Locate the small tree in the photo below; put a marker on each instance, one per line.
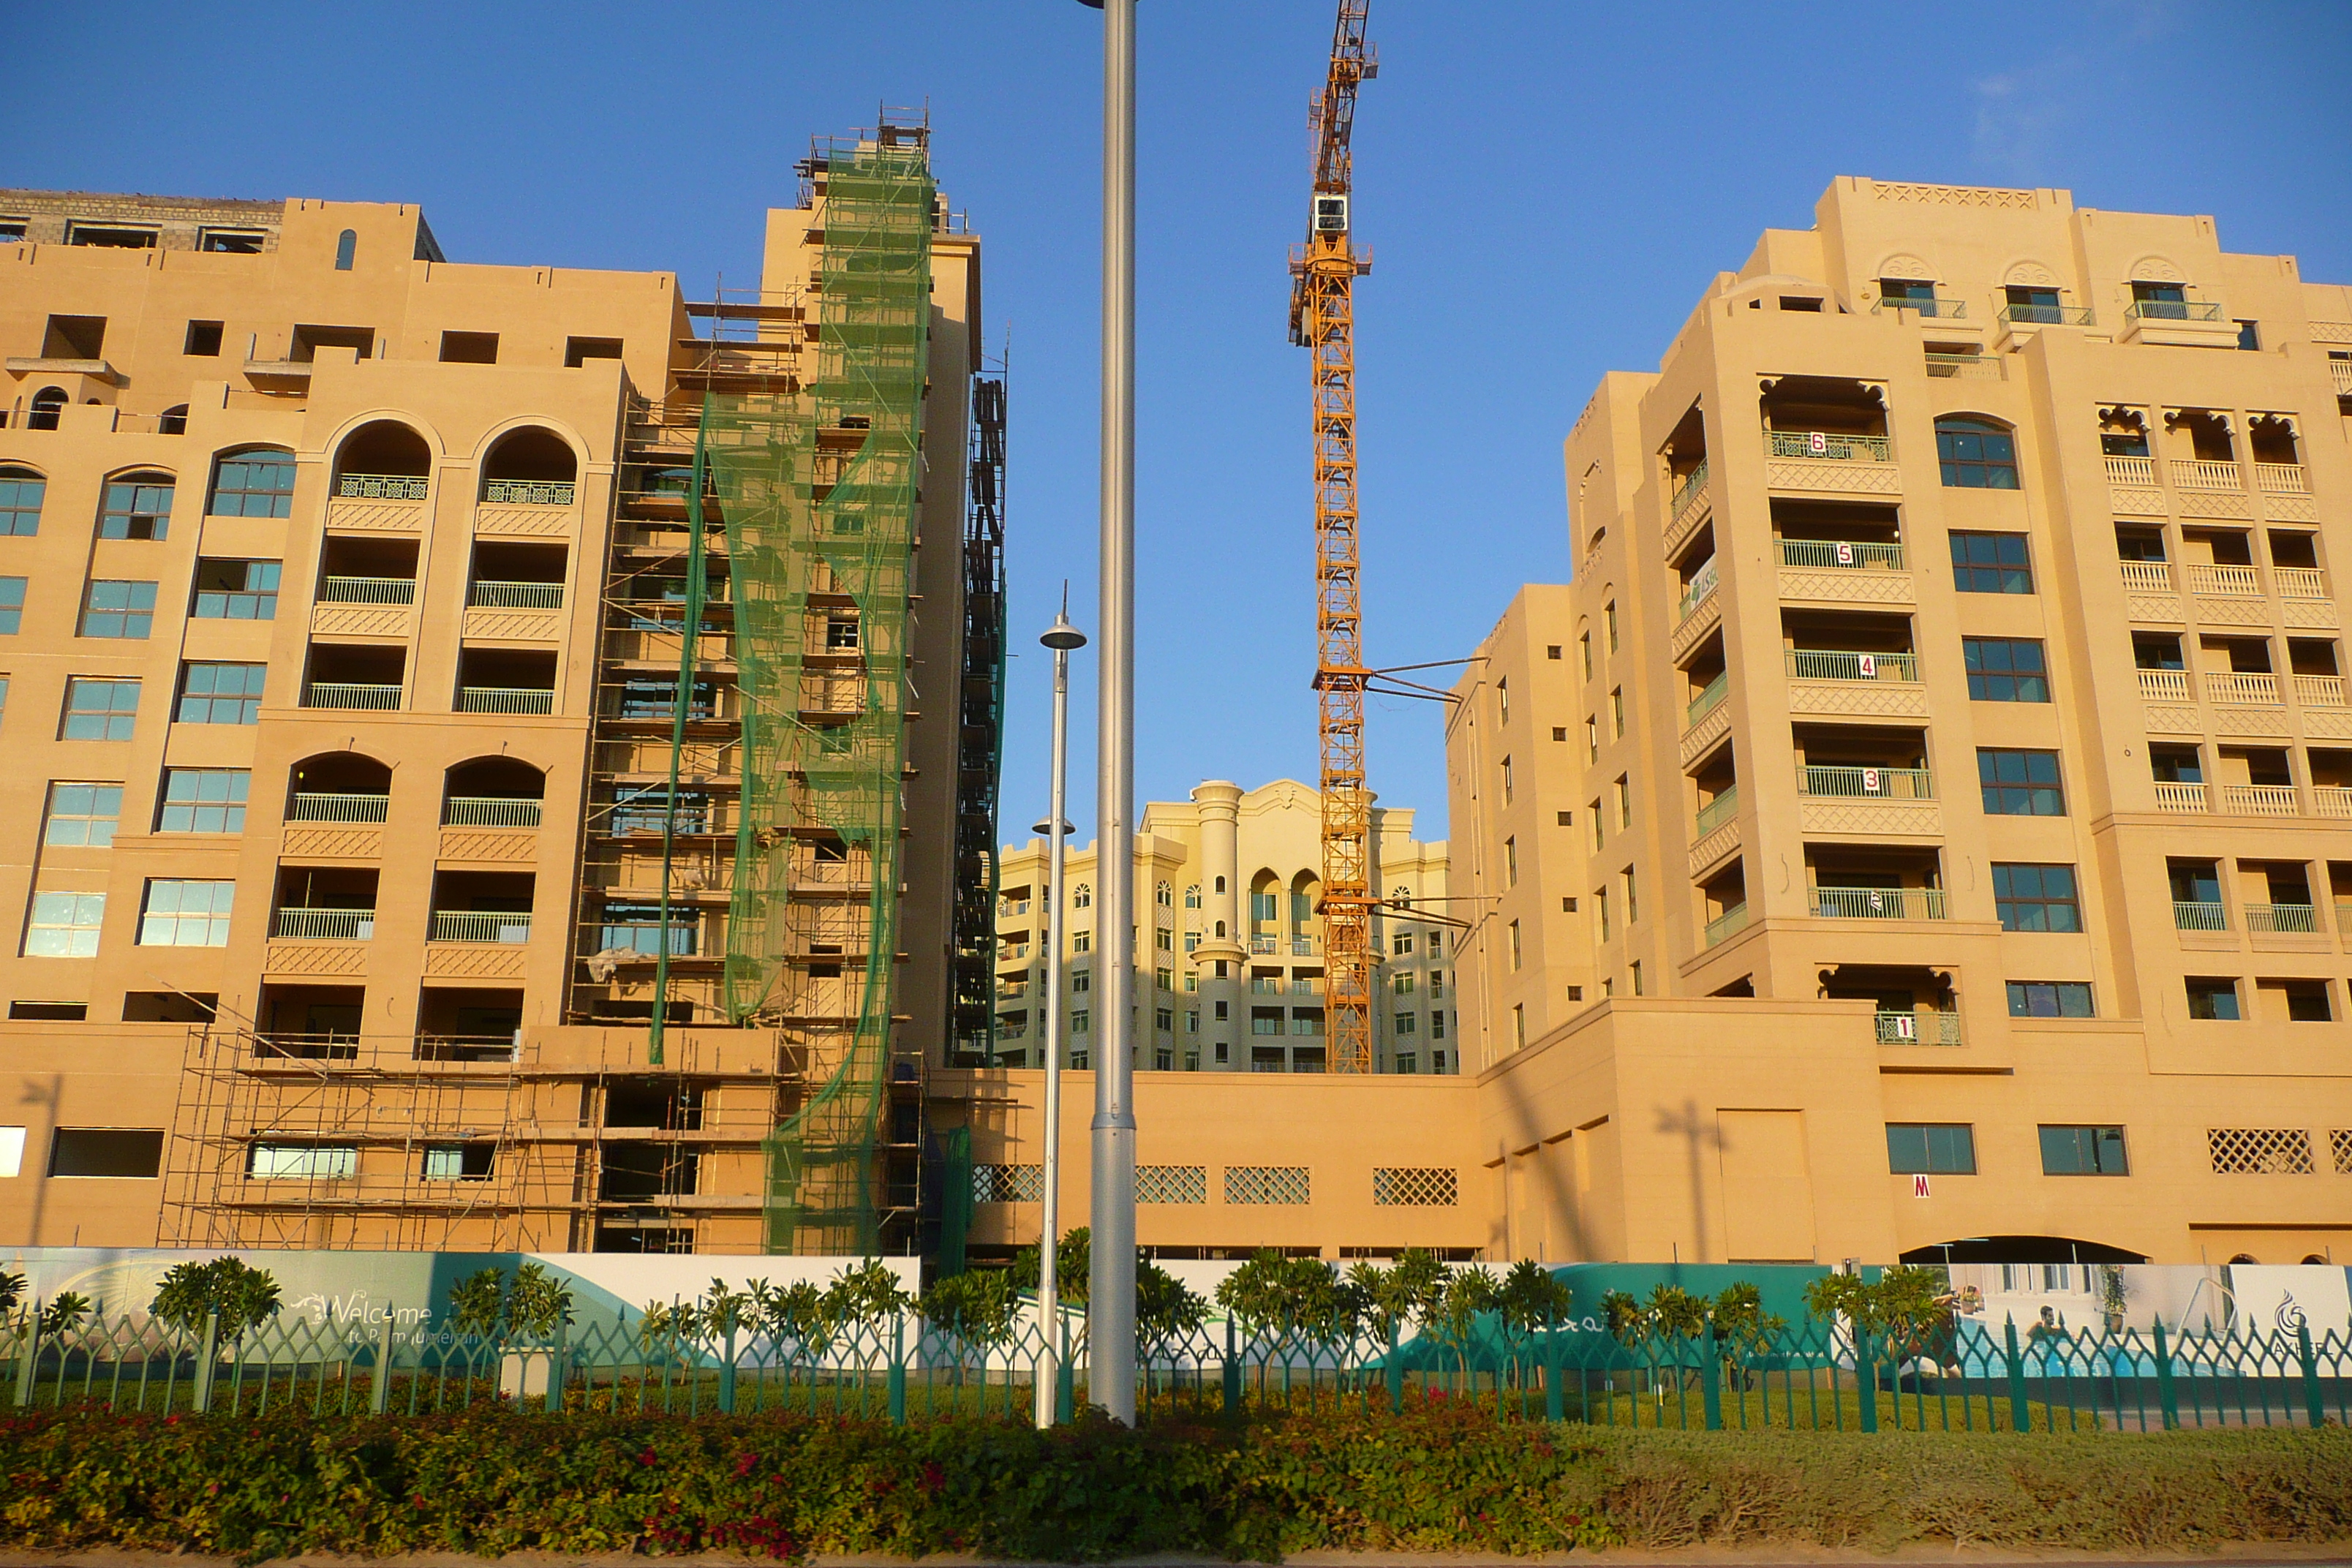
(975, 1305)
(244, 1297)
(485, 1304)
(477, 1302)
(66, 1311)
(12, 1291)
(1907, 1307)
(1533, 1296)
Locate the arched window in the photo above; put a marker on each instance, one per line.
(1221, 884)
(172, 421)
(383, 460)
(1192, 897)
(347, 246)
(1082, 896)
(529, 467)
(494, 792)
(136, 506)
(21, 490)
(1164, 895)
(46, 403)
(1220, 931)
(1976, 454)
(254, 483)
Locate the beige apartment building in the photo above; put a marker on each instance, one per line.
(374, 885)
(1925, 817)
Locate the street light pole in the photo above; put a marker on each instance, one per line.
(1111, 1296)
(1062, 638)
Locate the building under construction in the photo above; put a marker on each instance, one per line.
(536, 789)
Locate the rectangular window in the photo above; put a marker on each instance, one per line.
(2084, 1152)
(20, 502)
(1599, 824)
(12, 604)
(1164, 1019)
(1164, 939)
(204, 800)
(12, 1152)
(1404, 1023)
(204, 340)
(118, 609)
(458, 1161)
(2020, 784)
(83, 815)
(1164, 979)
(1403, 984)
(1510, 862)
(2213, 997)
(1608, 615)
(1503, 701)
(1931, 1148)
(1592, 740)
(302, 1162)
(2050, 999)
(2005, 669)
(1437, 1023)
(1625, 802)
(1990, 563)
(100, 710)
(136, 1154)
(1600, 903)
(183, 913)
(253, 484)
(1975, 456)
(1617, 713)
(1514, 945)
(1506, 781)
(135, 509)
(1401, 943)
(1081, 1022)
(237, 591)
(1519, 1025)
(221, 694)
(1583, 642)
(64, 925)
(2036, 898)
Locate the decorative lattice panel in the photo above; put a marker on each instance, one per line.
(1008, 1184)
(2259, 1150)
(1415, 1187)
(2339, 1144)
(1265, 1183)
(1172, 1184)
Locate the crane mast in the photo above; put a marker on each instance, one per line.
(1322, 320)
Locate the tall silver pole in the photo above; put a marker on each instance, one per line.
(1110, 1293)
(1061, 637)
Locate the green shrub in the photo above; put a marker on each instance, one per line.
(245, 1296)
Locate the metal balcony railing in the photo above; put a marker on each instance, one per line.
(2247, 688)
(381, 486)
(516, 596)
(2285, 917)
(2172, 311)
(349, 694)
(367, 590)
(2280, 479)
(2163, 685)
(2147, 576)
(489, 811)
(2131, 470)
(2180, 796)
(1939, 307)
(1702, 587)
(2200, 915)
(1727, 923)
(470, 925)
(1717, 812)
(313, 806)
(1693, 484)
(1869, 784)
(324, 925)
(1966, 367)
(1920, 1026)
(2203, 474)
(1825, 664)
(1302, 947)
(505, 699)
(2225, 582)
(1827, 446)
(527, 492)
(1878, 903)
(1841, 555)
(2300, 582)
(2260, 800)
(1710, 696)
(2044, 315)
(1263, 945)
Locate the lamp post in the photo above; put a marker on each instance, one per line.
(1062, 638)
(1111, 1292)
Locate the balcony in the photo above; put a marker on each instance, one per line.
(2282, 919)
(505, 699)
(2280, 479)
(1709, 698)
(1689, 504)
(528, 492)
(1841, 555)
(1726, 923)
(2260, 800)
(2164, 686)
(1265, 945)
(1966, 367)
(1920, 1026)
(2300, 582)
(2180, 796)
(2224, 582)
(325, 807)
(2137, 473)
(1705, 718)
(1818, 445)
(2340, 371)
(2200, 474)
(1302, 947)
(2200, 916)
(1701, 588)
(1717, 812)
(2193, 324)
(2172, 311)
(2147, 576)
(479, 926)
(1877, 903)
(381, 486)
(1837, 683)
(2247, 688)
(1822, 460)
(324, 925)
(1825, 664)
(367, 590)
(1868, 784)
(2331, 800)
(514, 596)
(349, 694)
(2020, 313)
(1937, 308)
(488, 811)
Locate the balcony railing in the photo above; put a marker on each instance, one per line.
(1870, 784)
(347, 694)
(1725, 924)
(1717, 812)
(2283, 918)
(489, 811)
(1265, 945)
(2331, 800)
(1823, 664)
(2280, 479)
(1878, 903)
(367, 590)
(2147, 576)
(2260, 800)
(2198, 915)
(1841, 555)
(527, 492)
(470, 925)
(2319, 691)
(2203, 475)
(2163, 685)
(309, 807)
(1709, 698)
(2243, 689)
(325, 925)
(516, 596)
(1826, 447)
(2340, 371)
(2174, 796)
(1302, 947)
(2172, 311)
(1702, 587)
(1922, 1027)
(505, 699)
(2225, 582)
(1939, 307)
(2300, 582)
(2131, 470)
(1693, 484)
(1966, 367)
(381, 486)
(2044, 315)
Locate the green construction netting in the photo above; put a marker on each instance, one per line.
(819, 492)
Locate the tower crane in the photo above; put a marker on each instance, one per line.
(1322, 320)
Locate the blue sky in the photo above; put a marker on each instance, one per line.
(1546, 187)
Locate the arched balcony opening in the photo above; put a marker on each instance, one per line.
(339, 786)
(383, 460)
(493, 791)
(529, 467)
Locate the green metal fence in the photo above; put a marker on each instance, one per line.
(1958, 1375)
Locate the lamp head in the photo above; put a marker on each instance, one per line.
(1042, 827)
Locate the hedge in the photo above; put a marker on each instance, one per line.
(1442, 1477)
